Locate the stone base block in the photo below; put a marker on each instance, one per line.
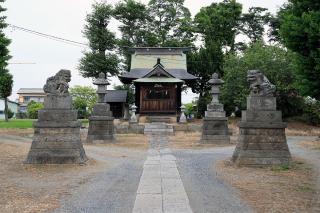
(215, 139)
(215, 131)
(101, 129)
(257, 103)
(259, 146)
(56, 146)
(57, 102)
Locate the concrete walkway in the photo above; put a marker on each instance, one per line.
(161, 189)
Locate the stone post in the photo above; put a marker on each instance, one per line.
(262, 140)
(183, 118)
(215, 123)
(56, 137)
(101, 127)
(133, 118)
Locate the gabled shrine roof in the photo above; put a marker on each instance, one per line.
(141, 72)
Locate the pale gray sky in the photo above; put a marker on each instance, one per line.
(66, 18)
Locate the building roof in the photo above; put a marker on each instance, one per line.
(158, 80)
(139, 73)
(117, 96)
(30, 91)
(159, 49)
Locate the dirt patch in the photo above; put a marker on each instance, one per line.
(296, 128)
(131, 141)
(18, 132)
(310, 144)
(277, 189)
(189, 140)
(37, 188)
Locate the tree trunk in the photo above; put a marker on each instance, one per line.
(6, 109)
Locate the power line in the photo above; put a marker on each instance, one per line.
(52, 37)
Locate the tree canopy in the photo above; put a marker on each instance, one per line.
(6, 79)
(299, 30)
(102, 43)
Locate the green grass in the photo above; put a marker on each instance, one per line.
(16, 124)
(282, 167)
(24, 123)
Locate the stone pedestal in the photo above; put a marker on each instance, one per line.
(262, 140)
(101, 127)
(215, 130)
(56, 137)
(215, 124)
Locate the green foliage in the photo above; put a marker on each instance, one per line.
(33, 108)
(276, 63)
(203, 63)
(130, 89)
(101, 42)
(10, 114)
(84, 98)
(253, 23)
(171, 23)
(134, 17)
(311, 111)
(202, 103)
(219, 23)
(190, 109)
(299, 30)
(6, 79)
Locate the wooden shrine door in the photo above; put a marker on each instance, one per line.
(158, 98)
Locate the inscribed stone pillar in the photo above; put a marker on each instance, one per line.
(215, 123)
(101, 127)
(56, 137)
(262, 140)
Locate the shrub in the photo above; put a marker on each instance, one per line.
(10, 114)
(311, 111)
(33, 108)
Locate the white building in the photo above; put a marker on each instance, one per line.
(13, 106)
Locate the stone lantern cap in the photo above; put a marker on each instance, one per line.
(215, 80)
(101, 80)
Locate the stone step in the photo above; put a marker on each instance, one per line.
(158, 128)
(162, 119)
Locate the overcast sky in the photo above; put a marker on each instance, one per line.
(66, 18)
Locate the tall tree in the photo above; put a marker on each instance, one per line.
(134, 17)
(299, 31)
(203, 63)
(171, 23)
(219, 23)
(102, 43)
(253, 23)
(6, 79)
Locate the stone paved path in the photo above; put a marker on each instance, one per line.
(161, 189)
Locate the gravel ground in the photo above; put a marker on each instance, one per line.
(205, 191)
(112, 187)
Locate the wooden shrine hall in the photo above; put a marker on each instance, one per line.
(158, 74)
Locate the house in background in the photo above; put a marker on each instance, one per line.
(158, 74)
(118, 102)
(116, 98)
(13, 106)
(29, 94)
